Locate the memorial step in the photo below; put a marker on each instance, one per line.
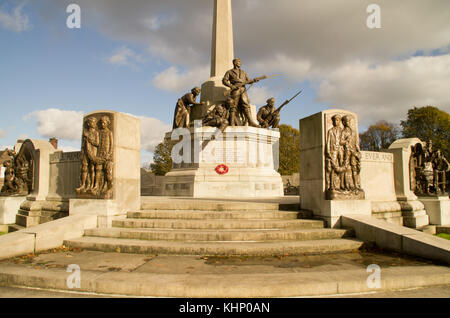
(218, 224)
(269, 248)
(207, 215)
(220, 235)
(212, 205)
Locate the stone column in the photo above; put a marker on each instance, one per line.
(222, 55)
(313, 185)
(114, 140)
(222, 51)
(38, 152)
(417, 212)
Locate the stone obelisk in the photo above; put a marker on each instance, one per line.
(222, 48)
(222, 55)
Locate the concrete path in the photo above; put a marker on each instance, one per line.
(194, 276)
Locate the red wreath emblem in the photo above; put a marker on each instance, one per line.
(222, 169)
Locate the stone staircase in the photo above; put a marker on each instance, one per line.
(201, 227)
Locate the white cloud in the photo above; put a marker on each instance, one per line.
(173, 80)
(297, 69)
(15, 21)
(5, 147)
(152, 132)
(388, 90)
(62, 124)
(68, 125)
(259, 94)
(2, 133)
(125, 57)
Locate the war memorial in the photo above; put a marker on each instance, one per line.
(223, 198)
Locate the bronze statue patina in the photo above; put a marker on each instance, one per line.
(234, 115)
(96, 179)
(236, 79)
(268, 116)
(428, 170)
(89, 146)
(342, 161)
(218, 117)
(182, 110)
(18, 178)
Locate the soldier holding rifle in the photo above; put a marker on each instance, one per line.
(236, 79)
(268, 116)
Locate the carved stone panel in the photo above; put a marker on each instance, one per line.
(97, 157)
(342, 158)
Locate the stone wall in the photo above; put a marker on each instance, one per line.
(151, 184)
(64, 174)
(377, 176)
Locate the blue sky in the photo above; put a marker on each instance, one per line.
(140, 57)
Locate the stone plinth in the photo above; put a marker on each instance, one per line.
(413, 212)
(38, 153)
(401, 149)
(438, 209)
(248, 153)
(124, 137)
(313, 135)
(9, 207)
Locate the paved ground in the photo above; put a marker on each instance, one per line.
(427, 292)
(211, 276)
(174, 264)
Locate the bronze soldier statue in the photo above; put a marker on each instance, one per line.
(236, 79)
(218, 117)
(182, 111)
(268, 116)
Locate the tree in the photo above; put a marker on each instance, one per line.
(429, 123)
(379, 136)
(162, 158)
(289, 150)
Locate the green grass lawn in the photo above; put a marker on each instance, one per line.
(444, 235)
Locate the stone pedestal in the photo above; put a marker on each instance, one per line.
(413, 212)
(438, 209)
(247, 152)
(124, 193)
(313, 135)
(9, 207)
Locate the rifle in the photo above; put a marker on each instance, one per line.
(226, 93)
(277, 111)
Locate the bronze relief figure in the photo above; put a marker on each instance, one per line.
(342, 161)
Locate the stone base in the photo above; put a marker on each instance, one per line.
(29, 213)
(389, 211)
(438, 209)
(415, 219)
(332, 210)
(106, 210)
(238, 182)
(344, 195)
(413, 213)
(248, 152)
(9, 206)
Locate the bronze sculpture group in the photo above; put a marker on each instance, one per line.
(428, 169)
(96, 159)
(342, 161)
(236, 110)
(18, 177)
